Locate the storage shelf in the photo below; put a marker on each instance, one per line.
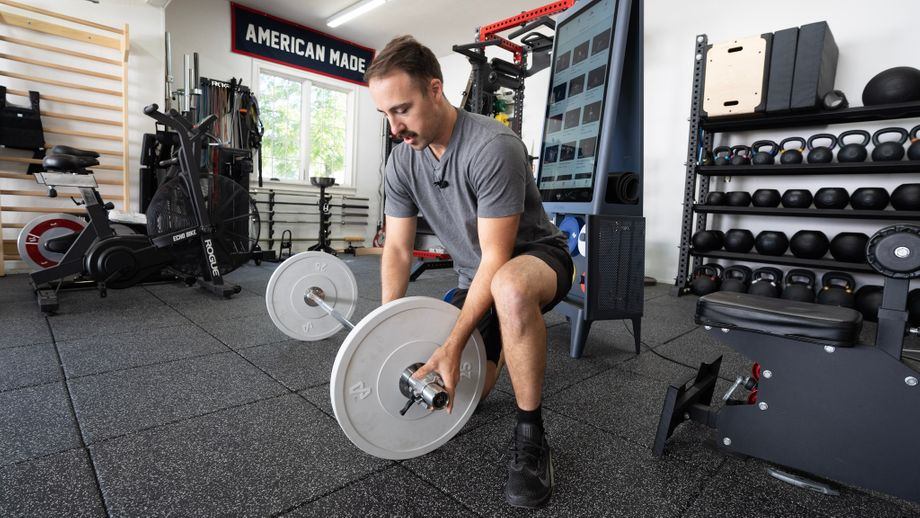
(902, 166)
(788, 260)
(894, 215)
(760, 121)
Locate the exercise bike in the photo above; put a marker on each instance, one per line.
(199, 226)
(818, 402)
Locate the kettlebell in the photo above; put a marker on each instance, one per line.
(722, 155)
(831, 198)
(764, 157)
(771, 242)
(791, 155)
(849, 247)
(800, 285)
(854, 151)
(706, 279)
(766, 282)
(868, 300)
(736, 278)
(739, 240)
(706, 157)
(837, 290)
(869, 198)
(738, 198)
(741, 155)
(906, 197)
(821, 154)
(715, 198)
(707, 240)
(809, 244)
(765, 198)
(891, 150)
(913, 150)
(797, 199)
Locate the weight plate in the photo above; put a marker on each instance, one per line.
(364, 387)
(284, 296)
(571, 226)
(38, 231)
(583, 241)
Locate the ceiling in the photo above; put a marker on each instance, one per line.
(438, 24)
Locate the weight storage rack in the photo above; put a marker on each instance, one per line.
(696, 187)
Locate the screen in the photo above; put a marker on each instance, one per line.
(575, 104)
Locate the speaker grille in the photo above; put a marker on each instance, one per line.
(616, 253)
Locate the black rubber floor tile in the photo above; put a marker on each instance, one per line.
(296, 364)
(179, 292)
(658, 290)
(665, 318)
(219, 310)
(28, 365)
(120, 402)
(686, 353)
(124, 350)
(244, 332)
(80, 302)
(596, 474)
(22, 324)
(131, 320)
(393, 492)
(57, 485)
(16, 289)
(254, 460)
(35, 421)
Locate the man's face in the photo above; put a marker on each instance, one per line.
(413, 114)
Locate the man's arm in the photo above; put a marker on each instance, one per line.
(397, 257)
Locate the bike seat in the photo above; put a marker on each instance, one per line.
(68, 163)
(803, 321)
(72, 151)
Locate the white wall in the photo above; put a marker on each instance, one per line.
(203, 26)
(145, 84)
(870, 38)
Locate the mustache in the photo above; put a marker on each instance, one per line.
(406, 134)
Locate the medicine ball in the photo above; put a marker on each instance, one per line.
(869, 198)
(906, 197)
(895, 85)
(766, 198)
(849, 247)
(715, 198)
(868, 300)
(809, 244)
(831, 198)
(739, 240)
(797, 199)
(708, 240)
(738, 198)
(771, 242)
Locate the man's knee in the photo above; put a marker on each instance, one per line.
(512, 293)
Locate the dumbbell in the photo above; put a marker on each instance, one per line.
(381, 408)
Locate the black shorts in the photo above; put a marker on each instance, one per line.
(557, 258)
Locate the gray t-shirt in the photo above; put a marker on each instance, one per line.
(488, 175)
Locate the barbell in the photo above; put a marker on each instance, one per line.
(381, 408)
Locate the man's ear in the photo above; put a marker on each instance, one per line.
(435, 88)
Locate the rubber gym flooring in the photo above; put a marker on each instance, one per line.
(161, 400)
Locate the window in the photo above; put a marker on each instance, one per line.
(308, 128)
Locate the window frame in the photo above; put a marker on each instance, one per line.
(307, 80)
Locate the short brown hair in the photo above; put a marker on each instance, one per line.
(408, 55)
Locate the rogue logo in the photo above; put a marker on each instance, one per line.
(212, 259)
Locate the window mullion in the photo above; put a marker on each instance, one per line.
(305, 130)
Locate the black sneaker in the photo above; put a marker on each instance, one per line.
(530, 469)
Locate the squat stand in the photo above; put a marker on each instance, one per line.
(325, 214)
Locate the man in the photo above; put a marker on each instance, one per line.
(469, 177)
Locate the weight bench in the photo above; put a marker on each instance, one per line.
(820, 402)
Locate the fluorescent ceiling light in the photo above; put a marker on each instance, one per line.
(353, 11)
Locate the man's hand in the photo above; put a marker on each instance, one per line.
(445, 361)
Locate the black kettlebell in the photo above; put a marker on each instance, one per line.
(809, 244)
(869, 198)
(771, 242)
(913, 307)
(736, 278)
(913, 150)
(849, 247)
(715, 198)
(707, 240)
(764, 157)
(854, 151)
(739, 240)
(791, 155)
(766, 282)
(889, 151)
(821, 154)
(837, 290)
(706, 279)
(797, 199)
(800, 285)
(766, 198)
(906, 197)
(738, 198)
(868, 300)
(831, 198)
(741, 155)
(722, 155)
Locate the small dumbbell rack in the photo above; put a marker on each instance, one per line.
(701, 132)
